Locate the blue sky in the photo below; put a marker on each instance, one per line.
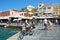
(18, 4)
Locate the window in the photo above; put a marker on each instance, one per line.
(35, 14)
(59, 12)
(59, 7)
(49, 7)
(44, 8)
(39, 5)
(56, 12)
(12, 13)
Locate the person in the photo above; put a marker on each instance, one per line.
(45, 24)
(56, 22)
(49, 24)
(26, 21)
(28, 26)
(41, 22)
(23, 29)
(33, 22)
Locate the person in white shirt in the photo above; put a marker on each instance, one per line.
(45, 24)
(45, 21)
(26, 21)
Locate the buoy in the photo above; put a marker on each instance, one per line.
(5, 26)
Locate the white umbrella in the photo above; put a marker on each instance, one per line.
(19, 18)
(15, 19)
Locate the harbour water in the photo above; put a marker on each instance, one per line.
(7, 32)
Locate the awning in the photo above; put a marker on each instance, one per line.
(17, 19)
(4, 17)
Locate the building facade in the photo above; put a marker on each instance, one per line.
(48, 9)
(5, 13)
(56, 10)
(45, 9)
(28, 11)
(40, 9)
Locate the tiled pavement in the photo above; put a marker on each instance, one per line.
(39, 34)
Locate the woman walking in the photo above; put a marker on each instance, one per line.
(45, 24)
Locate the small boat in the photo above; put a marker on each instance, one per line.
(5, 26)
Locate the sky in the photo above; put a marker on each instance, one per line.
(19, 4)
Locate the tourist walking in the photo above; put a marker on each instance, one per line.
(49, 24)
(33, 22)
(45, 24)
(41, 22)
(22, 31)
(56, 23)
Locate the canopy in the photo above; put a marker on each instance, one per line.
(4, 17)
(17, 19)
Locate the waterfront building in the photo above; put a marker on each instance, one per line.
(40, 8)
(45, 9)
(48, 9)
(51, 11)
(10, 18)
(10, 13)
(56, 10)
(28, 11)
(5, 13)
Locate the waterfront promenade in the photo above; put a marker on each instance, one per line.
(40, 34)
(14, 37)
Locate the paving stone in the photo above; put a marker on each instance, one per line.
(39, 34)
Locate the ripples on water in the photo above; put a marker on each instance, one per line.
(7, 32)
